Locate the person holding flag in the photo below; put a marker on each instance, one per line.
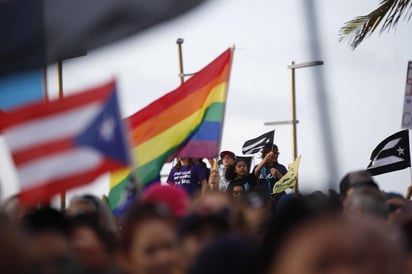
(269, 170)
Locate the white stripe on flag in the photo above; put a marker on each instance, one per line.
(261, 142)
(57, 126)
(52, 167)
(386, 161)
(391, 144)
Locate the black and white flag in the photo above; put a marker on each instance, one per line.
(391, 154)
(254, 145)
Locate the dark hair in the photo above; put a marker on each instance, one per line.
(226, 254)
(268, 148)
(194, 223)
(232, 185)
(98, 206)
(140, 212)
(297, 210)
(91, 220)
(44, 220)
(178, 165)
(230, 174)
(356, 178)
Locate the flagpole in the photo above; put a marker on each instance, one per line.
(60, 78)
(410, 172)
(60, 92)
(44, 84)
(179, 43)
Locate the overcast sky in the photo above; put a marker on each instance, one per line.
(363, 89)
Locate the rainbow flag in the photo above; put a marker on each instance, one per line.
(186, 122)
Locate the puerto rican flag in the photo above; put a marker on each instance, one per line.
(66, 143)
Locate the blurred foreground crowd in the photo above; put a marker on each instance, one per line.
(360, 230)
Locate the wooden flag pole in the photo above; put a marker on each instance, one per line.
(60, 92)
(60, 78)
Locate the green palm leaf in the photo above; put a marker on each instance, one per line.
(387, 15)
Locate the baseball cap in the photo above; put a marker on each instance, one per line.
(175, 198)
(227, 152)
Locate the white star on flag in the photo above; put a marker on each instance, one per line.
(400, 151)
(107, 129)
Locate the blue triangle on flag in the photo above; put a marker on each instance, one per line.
(105, 133)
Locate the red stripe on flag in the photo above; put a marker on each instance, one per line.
(41, 109)
(204, 77)
(38, 151)
(43, 192)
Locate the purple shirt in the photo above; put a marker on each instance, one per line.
(187, 178)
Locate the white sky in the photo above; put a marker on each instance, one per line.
(365, 87)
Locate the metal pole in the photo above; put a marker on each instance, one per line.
(60, 91)
(179, 43)
(293, 97)
(294, 124)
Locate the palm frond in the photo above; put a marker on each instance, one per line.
(389, 12)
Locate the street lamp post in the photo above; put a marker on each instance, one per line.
(294, 121)
(292, 68)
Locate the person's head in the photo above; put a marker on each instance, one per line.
(91, 204)
(46, 239)
(236, 190)
(332, 244)
(93, 245)
(186, 161)
(238, 170)
(256, 213)
(225, 255)
(13, 248)
(365, 201)
(304, 226)
(228, 158)
(241, 168)
(271, 148)
(396, 203)
(149, 239)
(218, 201)
(196, 231)
(355, 178)
(379, 247)
(180, 162)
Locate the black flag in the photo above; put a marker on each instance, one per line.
(254, 145)
(391, 154)
(34, 33)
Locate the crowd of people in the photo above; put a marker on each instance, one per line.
(222, 219)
